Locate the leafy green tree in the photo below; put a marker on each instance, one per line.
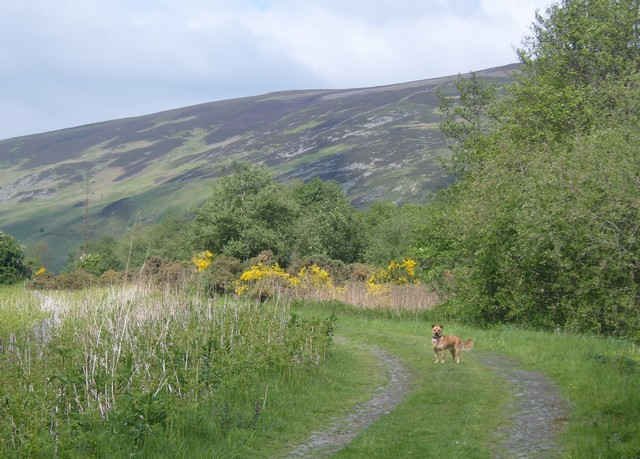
(169, 239)
(580, 55)
(328, 224)
(466, 122)
(99, 257)
(12, 264)
(543, 227)
(248, 212)
(392, 231)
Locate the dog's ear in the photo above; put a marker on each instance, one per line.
(433, 325)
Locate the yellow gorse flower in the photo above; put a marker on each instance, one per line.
(410, 266)
(41, 271)
(398, 273)
(202, 260)
(261, 272)
(315, 276)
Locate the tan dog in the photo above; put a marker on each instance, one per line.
(454, 344)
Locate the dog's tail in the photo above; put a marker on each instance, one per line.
(467, 345)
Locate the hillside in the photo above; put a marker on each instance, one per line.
(378, 143)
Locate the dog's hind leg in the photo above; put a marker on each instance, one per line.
(456, 353)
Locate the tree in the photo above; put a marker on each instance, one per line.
(392, 231)
(580, 55)
(328, 224)
(466, 122)
(247, 212)
(12, 264)
(100, 256)
(544, 226)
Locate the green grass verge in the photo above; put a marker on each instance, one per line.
(599, 376)
(295, 407)
(451, 408)
(456, 409)
(257, 409)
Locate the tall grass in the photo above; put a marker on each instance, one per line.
(102, 371)
(408, 298)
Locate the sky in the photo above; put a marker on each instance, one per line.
(67, 62)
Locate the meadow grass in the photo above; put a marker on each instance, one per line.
(142, 372)
(455, 410)
(294, 408)
(135, 371)
(18, 312)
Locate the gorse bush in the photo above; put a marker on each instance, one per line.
(116, 367)
(265, 281)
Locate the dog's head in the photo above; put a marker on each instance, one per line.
(436, 331)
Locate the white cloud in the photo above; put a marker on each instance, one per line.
(196, 50)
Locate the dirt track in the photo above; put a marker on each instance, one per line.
(537, 412)
(343, 430)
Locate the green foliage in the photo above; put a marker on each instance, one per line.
(221, 276)
(392, 231)
(580, 54)
(98, 383)
(249, 212)
(466, 121)
(98, 257)
(328, 225)
(12, 264)
(169, 239)
(543, 229)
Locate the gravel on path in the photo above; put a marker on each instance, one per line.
(536, 414)
(342, 431)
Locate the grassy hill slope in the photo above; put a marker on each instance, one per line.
(378, 143)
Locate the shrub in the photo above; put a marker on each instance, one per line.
(264, 281)
(160, 271)
(337, 269)
(111, 277)
(221, 276)
(73, 280)
(360, 272)
(12, 264)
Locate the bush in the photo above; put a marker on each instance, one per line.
(221, 275)
(161, 271)
(12, 264)
(111, 277)
(542, 228)
(99, 257)
(73, 280)
(338, 270)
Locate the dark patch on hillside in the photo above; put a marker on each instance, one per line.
(137, 160)
(122, 208)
